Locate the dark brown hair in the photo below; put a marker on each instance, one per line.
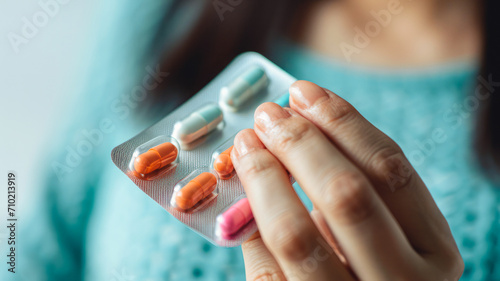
(250, 25)
(487, 140)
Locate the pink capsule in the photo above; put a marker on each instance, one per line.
(234, 218)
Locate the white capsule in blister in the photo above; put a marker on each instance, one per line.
(244, 87)
(198, 124)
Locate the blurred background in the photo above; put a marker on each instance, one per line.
(41, 79)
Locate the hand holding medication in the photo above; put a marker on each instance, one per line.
(374, 218)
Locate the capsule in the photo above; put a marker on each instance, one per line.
(234, 218)
(223, 164)
(155, 158)
(198, 124)
(197, 189)
(284, 100)
(244, 87)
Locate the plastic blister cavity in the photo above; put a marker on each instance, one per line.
(195, 191)
(245, 86)
(235, 220)
(154, 157)
(221, 160)
(202, 129)
(198, 124)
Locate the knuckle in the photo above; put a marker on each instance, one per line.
(290, 238)
(252, 244)
(454, 266)
(270, 276)
(459, 268)
(258, 164)
(292, 134)
(337, 111)
(348, 199)
(390, 167)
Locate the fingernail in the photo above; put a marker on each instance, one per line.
(304, 94)
(268, 113)
(246, 141)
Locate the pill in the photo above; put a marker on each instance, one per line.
(234, 218)
(284, 100)
(198, 124)
(155, 158)
(223, 164)
(244, 87)
(197, 189)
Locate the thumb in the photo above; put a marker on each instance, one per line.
(259, 262)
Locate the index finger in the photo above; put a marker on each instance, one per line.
(284, 223)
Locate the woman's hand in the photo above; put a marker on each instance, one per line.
(374, 218)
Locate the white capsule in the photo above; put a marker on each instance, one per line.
(244, 87)
(198, 124)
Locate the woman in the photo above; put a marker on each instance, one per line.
(410, 68)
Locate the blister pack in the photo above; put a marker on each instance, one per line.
(182, 162)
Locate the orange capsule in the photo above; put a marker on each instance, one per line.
(197, 189)
(223, 164)
(155, 158)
